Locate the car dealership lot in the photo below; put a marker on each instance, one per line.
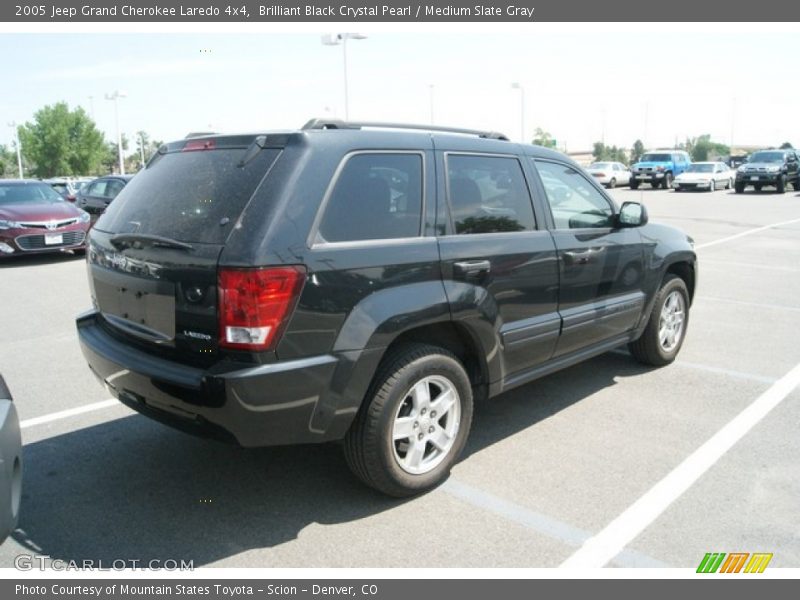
(547, 466)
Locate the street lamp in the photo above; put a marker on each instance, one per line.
(141, 148)
(518, 86)
(115, 96)
(13, 125)
(341, 39)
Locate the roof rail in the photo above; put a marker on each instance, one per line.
(338, 124)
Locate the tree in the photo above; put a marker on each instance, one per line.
(702, 147)
(637, 151)
(786, 146)
(543, 138)
(150, 146)
(8, 162)
(602, 152)
(62, 142)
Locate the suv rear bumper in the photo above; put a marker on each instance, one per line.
(252, 405)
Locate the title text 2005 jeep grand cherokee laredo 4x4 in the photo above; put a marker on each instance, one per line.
(351, 282)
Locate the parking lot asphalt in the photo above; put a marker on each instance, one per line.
(549, 467)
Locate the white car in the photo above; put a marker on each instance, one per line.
(707, 176)
(610, 174)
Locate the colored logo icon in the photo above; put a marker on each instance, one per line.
(735, 562)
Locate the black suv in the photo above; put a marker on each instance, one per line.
(769, 168)
(352, 282)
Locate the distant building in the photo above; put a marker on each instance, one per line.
(583, 157)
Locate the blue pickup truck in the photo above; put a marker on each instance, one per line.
(659, 168)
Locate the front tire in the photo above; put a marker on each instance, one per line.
(663, 337)
(634, 184)
(414, 422)
(780, 186)
(666, 183)
(739, 188)
(712, 186)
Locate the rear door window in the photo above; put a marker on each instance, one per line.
(376, 196)
(488, 194)
(189, 196)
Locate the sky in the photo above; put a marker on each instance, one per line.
(582, 86)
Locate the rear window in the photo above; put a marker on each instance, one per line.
(188, 196)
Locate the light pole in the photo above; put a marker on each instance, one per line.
(518, 86)
(115, 96)
(13, 125)
(341, 39)
(141, 147)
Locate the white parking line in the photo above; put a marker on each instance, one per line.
(714, 262)
(744, 233)
(753, 304)
(603, 547)
(64, 414)
(538, 522)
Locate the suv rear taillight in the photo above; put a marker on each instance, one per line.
(254, 305)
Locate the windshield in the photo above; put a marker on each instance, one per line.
(22, 193)
(696, 168)
(600, 166)
(766, 157)
(656, 158)
(188, 196)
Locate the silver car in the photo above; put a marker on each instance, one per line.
(10, 463)
(610, 174)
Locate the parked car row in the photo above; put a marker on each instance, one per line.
(674, 169)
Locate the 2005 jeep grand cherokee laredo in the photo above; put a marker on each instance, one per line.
(350, 282)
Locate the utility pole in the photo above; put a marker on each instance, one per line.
(13, 125)
(115, 96)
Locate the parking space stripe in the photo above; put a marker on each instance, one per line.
(603, 547)
(712, 262)
(64, 414)
(744, 233)
(710, 369)
(753, 304)
(538, 522)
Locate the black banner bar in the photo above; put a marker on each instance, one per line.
(398, 11)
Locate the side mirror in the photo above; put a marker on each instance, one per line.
(632, 214)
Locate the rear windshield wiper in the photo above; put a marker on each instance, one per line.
(122, 240)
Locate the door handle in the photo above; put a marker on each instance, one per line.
(581, 257)
(473, 267)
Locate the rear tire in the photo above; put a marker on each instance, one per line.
(663, 336)
(415, 382)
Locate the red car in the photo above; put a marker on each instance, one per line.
(35, 218)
